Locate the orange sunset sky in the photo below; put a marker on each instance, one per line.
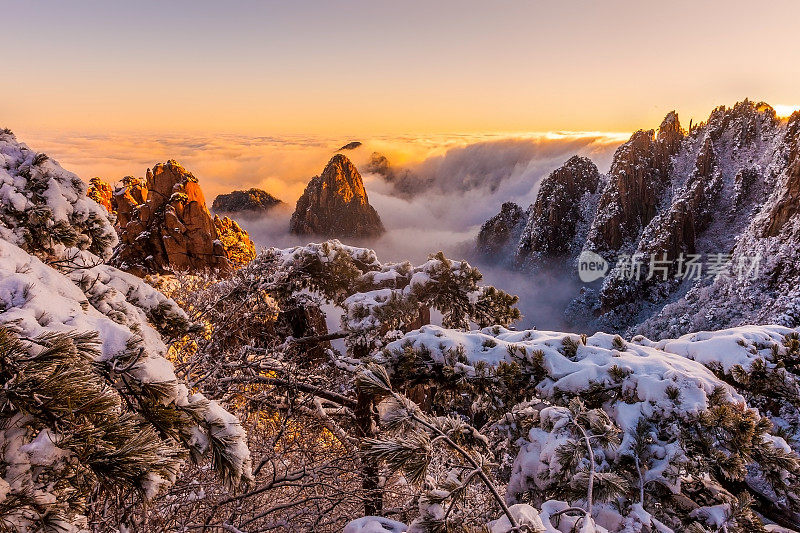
(129, 73)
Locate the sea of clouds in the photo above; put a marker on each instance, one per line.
(451, 184)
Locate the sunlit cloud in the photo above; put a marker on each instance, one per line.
(283, 165)
(785, 110)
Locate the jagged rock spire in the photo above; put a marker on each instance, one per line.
(335, 204)
(559, 210)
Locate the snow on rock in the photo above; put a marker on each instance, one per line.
(374, 524)
(727, 187)
(524, 514)
(498, 236)
(379, 297)
(727, 347)
(557, 223)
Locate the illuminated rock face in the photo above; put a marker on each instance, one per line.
(101, 192)
(239, 249)
(335, 204)
(164, 226)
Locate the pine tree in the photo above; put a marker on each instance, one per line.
(67, 434)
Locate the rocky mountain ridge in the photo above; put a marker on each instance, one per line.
(164, 225)
(726, 191)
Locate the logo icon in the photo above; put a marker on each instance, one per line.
(591, 266)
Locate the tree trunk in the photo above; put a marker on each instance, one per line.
(370, 473)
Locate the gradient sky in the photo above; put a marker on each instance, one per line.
(361, 68)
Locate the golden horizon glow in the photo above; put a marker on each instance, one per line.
(281, 165)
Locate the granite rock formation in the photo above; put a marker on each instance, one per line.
(352, 145)
(239, 249)
(101, 192)
(558, 221)
(252, 202)
(498, 237)
(727, 191)
(335, 204)
(636, 182)
(165, 226)
(788, 206)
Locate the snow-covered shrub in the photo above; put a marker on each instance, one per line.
(44, 208)
(411, 449)
(66, 429)
(668, 441)
(763, 364)
(377, 297)
(263, 350)
(374, 524)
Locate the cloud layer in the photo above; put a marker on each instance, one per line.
(452, 184)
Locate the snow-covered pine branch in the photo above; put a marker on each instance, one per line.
(37, 302)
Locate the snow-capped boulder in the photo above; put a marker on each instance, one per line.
(638, 177)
